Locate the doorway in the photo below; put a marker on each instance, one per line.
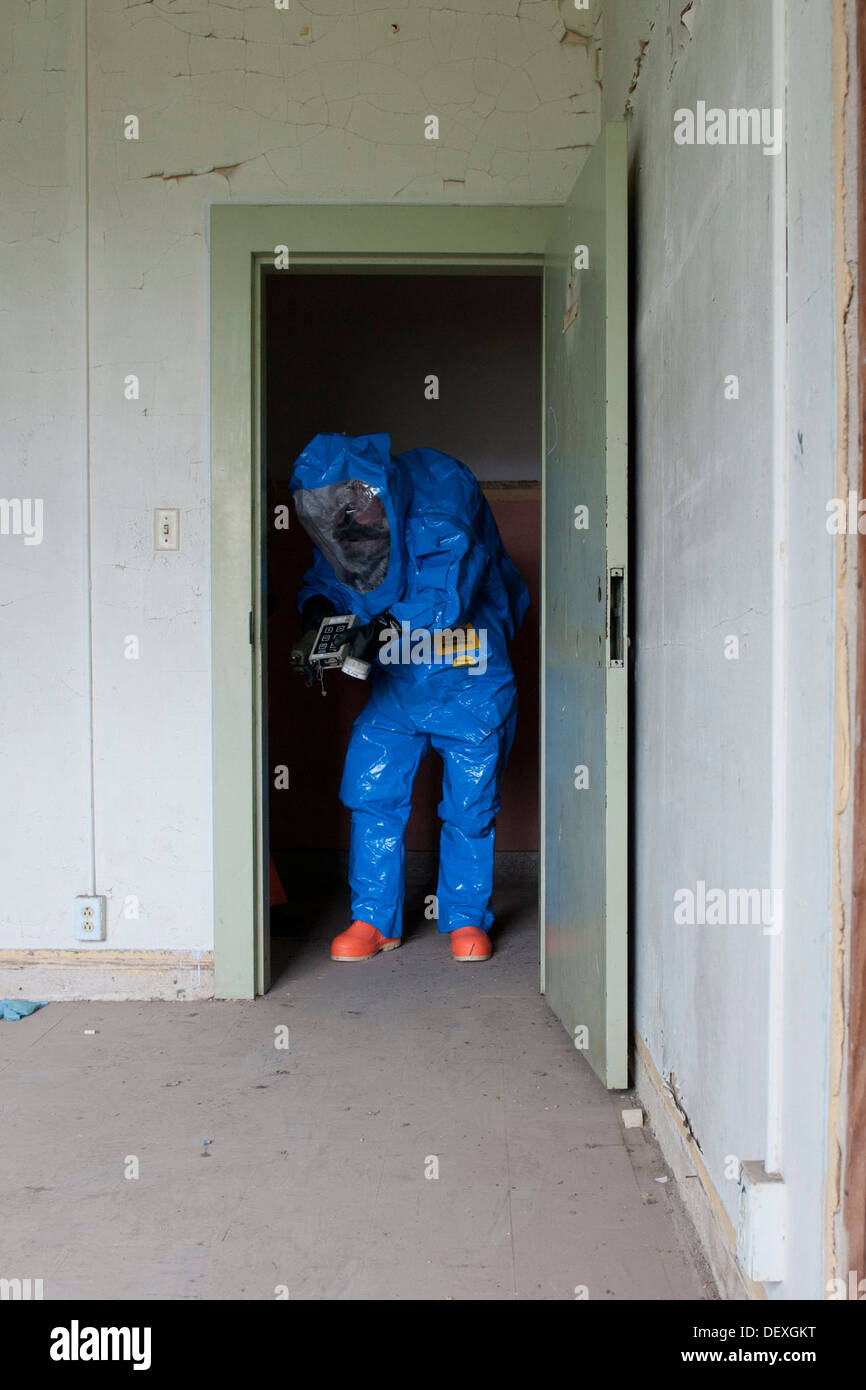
(449, 360)
(580, 248)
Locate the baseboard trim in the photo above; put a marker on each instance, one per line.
(700, 1198)
(110, 975)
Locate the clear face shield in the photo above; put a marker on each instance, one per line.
(348, 523)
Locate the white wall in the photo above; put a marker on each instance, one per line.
(336, 114)
(323, 102)
(717, 740)
(45, 849)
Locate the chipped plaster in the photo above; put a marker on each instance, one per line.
(237, 101)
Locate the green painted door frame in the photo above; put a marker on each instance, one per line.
(245, 241)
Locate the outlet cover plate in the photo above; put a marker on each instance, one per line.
(90, 919)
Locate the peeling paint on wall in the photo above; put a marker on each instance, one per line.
(241, 102)
(712, 476)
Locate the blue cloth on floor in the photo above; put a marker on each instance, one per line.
(14, 1009)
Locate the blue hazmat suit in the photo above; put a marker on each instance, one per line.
(411, 536)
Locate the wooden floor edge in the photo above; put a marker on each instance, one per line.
(108, 960)
(113, 976)
(718, 1236)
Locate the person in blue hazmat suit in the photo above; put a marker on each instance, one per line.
(408, 543)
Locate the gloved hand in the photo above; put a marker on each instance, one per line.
(314, 610)
(364, 640)
(301, 651)
(367, 639)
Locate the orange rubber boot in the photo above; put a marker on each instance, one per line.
(470, 943)
(361, 942)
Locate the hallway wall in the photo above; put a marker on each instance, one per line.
(479, 334)
(732, 757)
(235, 102)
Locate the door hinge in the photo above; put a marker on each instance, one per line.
(252, 640)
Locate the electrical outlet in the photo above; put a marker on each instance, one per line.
(166, 528)
(89, 919)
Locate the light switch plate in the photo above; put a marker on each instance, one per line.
(166, 528)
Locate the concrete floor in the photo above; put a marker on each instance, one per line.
(314, 1178)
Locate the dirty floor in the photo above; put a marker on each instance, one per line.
(429, 1132)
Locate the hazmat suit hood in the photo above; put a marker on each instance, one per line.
(352, 498)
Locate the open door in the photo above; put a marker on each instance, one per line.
(585, 623)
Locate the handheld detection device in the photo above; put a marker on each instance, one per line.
(332, 648)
